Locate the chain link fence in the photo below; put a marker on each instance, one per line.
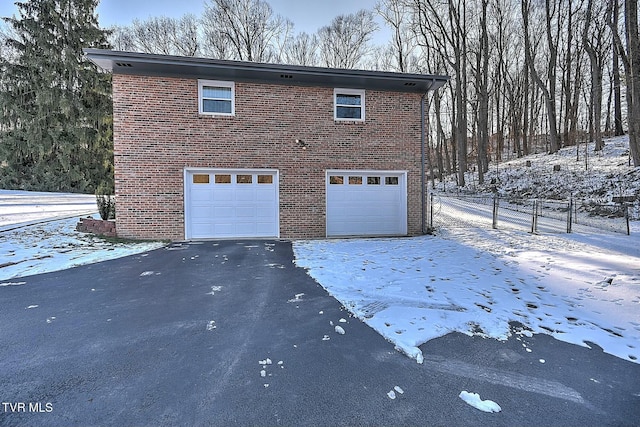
(532, 215)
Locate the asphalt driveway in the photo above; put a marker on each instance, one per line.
(232, 333)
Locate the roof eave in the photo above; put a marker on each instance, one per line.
(177, 66)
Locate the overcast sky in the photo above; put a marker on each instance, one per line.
(307, 15)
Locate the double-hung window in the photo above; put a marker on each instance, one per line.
(348, 104)
(216, 98)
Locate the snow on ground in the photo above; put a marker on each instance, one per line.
(25, 207)
(34, 240)
(580, 289)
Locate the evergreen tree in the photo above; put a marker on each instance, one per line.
(56, 125)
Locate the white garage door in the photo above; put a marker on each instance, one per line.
(231, 203)
(366, 203)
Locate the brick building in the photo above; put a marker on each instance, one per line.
(212, 149)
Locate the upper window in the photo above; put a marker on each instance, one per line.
(216, 97)
(348, 104)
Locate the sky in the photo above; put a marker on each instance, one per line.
(307, 15)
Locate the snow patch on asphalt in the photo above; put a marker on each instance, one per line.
(474, 400)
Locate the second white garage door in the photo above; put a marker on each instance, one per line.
(231, 203)
(366, 203)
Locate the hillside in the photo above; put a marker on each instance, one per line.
(602, 177)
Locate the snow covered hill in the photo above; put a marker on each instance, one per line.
(597, 179)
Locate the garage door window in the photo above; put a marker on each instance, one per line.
(265, 179)
(200, 178)
(223, 179)
(244, 179)
(355, 180)
(391, 180)
(373, 180)
(336, 179)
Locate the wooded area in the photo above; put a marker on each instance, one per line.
(527, 76)
(56, 126)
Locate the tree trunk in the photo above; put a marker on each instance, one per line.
(595, 102)
(482, 85)
(569, 137)
(633, 79)
(525, 115)
(613, 10)
(548, 92)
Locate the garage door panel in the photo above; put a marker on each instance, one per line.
(265, 195)
(224, 195)
(198, 212)
(223, 230)
(264, 228)
(202, 228)
(366, 206)
(202, 195)
(265, 212)
(222, 213)
(245, 229)
(242, 203)
(245, 195)
(245, 212)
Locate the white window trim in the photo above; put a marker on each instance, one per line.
(216, 83)
(360, 92)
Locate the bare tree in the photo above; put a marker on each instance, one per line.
(482, 93)
(396, 15)
(631, 61)
(442, 25)
(185, 37)
(153, 35)
(612, 19)
(633, 78)
(301, 50)
(281, 40)
(121, 38)
(345, 42)
(161, 35)
(594, 39)
(241, 29)
(549, 92)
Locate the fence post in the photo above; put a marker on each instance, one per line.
(626, 217)
(534, 217)
(494, 223)
(570, 214)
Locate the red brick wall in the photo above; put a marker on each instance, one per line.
(97, 226)
(158, 132)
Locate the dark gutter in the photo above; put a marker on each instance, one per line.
(422, 164)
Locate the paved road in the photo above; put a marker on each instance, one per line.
(176, 337)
